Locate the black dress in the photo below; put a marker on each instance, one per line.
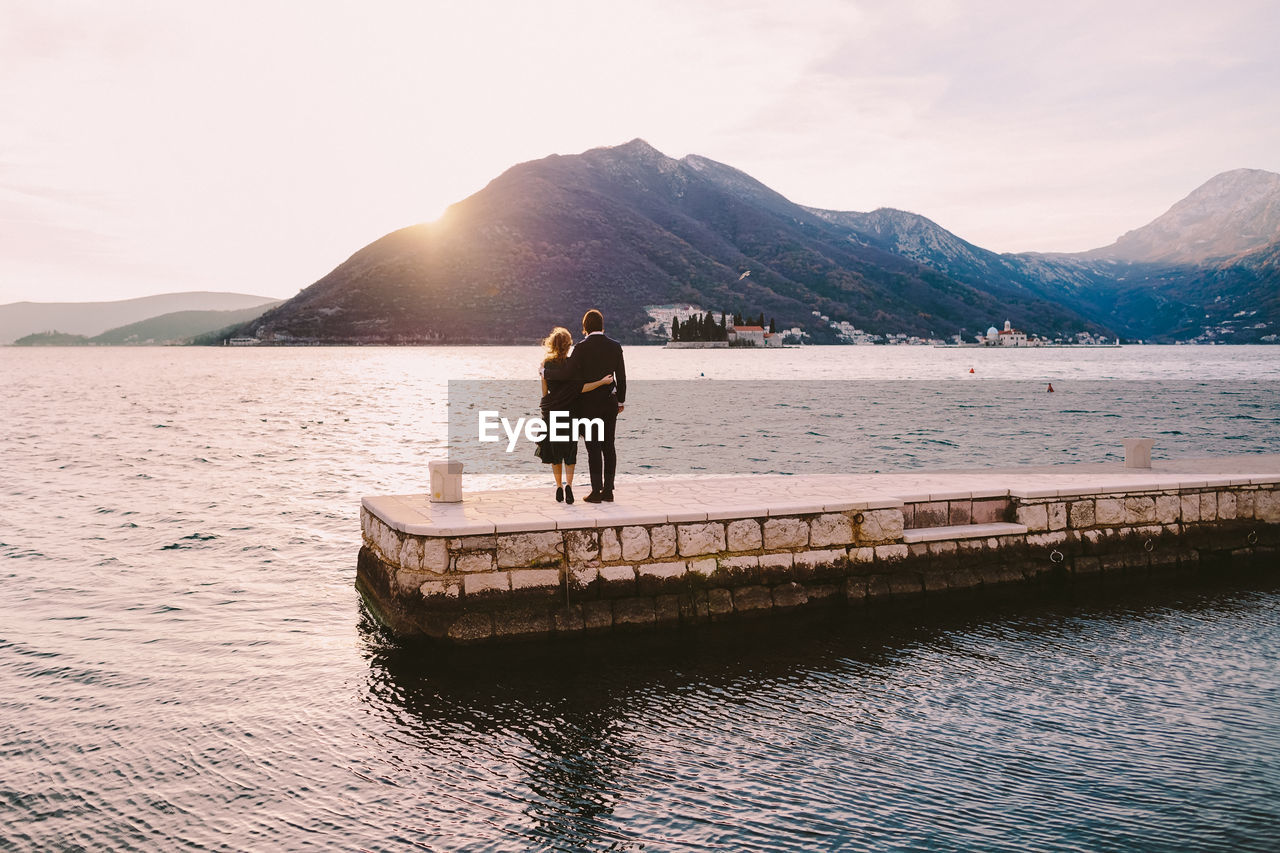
(562, 390)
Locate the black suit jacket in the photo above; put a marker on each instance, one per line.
(596, 357)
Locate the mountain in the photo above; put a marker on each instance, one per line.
(1207, 270)
(625, 227)
(925, 242)
(1231, 301)
(1230, 214)
(92, 318)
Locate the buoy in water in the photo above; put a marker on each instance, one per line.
(971, 370)
(1050, 387)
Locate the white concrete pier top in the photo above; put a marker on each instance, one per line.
(642, 502)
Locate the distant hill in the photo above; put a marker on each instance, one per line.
(625, 227)
(93, 318)
(51, 339)
(179, 326)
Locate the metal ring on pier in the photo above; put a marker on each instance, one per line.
(1056, 556)
(1149, 545)
(1252, 538)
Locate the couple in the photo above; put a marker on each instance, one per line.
(590, 382)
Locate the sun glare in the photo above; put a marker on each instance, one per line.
(438, 218)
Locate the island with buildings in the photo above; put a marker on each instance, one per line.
(691, 327)
(688, 326)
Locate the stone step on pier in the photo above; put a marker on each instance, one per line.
(962, 531)
(516, 564)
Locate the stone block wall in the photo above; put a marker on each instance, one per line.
(477, 588)
(1145, 530)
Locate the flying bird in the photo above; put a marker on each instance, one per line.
(744, 275)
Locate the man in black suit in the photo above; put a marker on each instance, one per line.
(595, 358)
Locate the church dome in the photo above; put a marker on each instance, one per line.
(992, 332)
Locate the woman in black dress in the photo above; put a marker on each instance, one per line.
(558, 393)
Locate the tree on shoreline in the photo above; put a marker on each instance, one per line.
(701, 328)
(704, 328)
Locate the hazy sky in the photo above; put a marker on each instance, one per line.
(253, 146)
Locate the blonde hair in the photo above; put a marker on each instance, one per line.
(558, 343)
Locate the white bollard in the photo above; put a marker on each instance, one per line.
(1137, 452)
(446, 482)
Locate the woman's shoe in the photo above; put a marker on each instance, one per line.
(560, 495)
(568, 494)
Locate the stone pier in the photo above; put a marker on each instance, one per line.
(515, 564)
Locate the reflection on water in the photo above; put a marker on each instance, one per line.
(1088, 724)
(184, 664)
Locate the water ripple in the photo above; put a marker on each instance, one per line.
(184, 663)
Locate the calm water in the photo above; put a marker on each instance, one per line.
(184, 662)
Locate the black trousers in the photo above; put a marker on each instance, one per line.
(602, 459)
